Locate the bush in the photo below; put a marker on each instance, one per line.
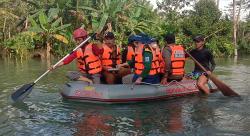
(20, 44)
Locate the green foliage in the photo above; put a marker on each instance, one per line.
(243, 37)
(20, 44)
(49, 27)
(205, 20)
(101, 13)
(53, 21)
(220, 47)
(61, 49)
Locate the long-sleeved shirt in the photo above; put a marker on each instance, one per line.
(205, 58)
(166, 54)
(147, 61)
(96, 50)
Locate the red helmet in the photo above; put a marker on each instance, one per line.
(80, 33)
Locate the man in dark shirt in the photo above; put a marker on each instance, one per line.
(206, 59)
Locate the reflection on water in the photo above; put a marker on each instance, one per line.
(45, 113)
(131, 120)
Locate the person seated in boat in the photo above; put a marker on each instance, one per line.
(128, 52)
(146, 61)
(88, 62)
(206, 59)
(173, 56)
(110, 58)
(134, 41)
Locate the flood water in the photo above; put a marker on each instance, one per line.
(44, 112)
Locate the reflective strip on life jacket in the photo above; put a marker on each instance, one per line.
(130, 53)
(107, 60)
(87, 62)
(155, 65)
(177, 60)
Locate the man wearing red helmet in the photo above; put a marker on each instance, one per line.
(88, 62)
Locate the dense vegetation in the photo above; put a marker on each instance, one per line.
(44, 27)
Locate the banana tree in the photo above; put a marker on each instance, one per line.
(106, 10)
(124, 15)
(50, 28)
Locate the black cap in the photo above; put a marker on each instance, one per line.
(109, 35)
(199, 38)
(170, 38)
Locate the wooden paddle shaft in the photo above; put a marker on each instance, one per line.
(226, 90)
(203, 68)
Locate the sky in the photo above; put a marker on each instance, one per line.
(222, 5)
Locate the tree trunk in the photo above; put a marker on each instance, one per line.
(234, 29)
(4, 25)
(48, 46)
(218, 4)
(9, 35)
(26, 24)
(238, 15)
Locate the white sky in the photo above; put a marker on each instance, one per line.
(223, 5)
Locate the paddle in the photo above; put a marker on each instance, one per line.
(226, 90)
(25, 90)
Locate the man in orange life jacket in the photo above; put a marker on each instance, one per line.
(88, 62)
(129, 55)
(111, 57)
(146, 61)
(174, 60)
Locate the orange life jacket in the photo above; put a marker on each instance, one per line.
(177, 60)
(139, 66)
(87, 62)
(130, 53)
(155, 65)
(107, 60)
